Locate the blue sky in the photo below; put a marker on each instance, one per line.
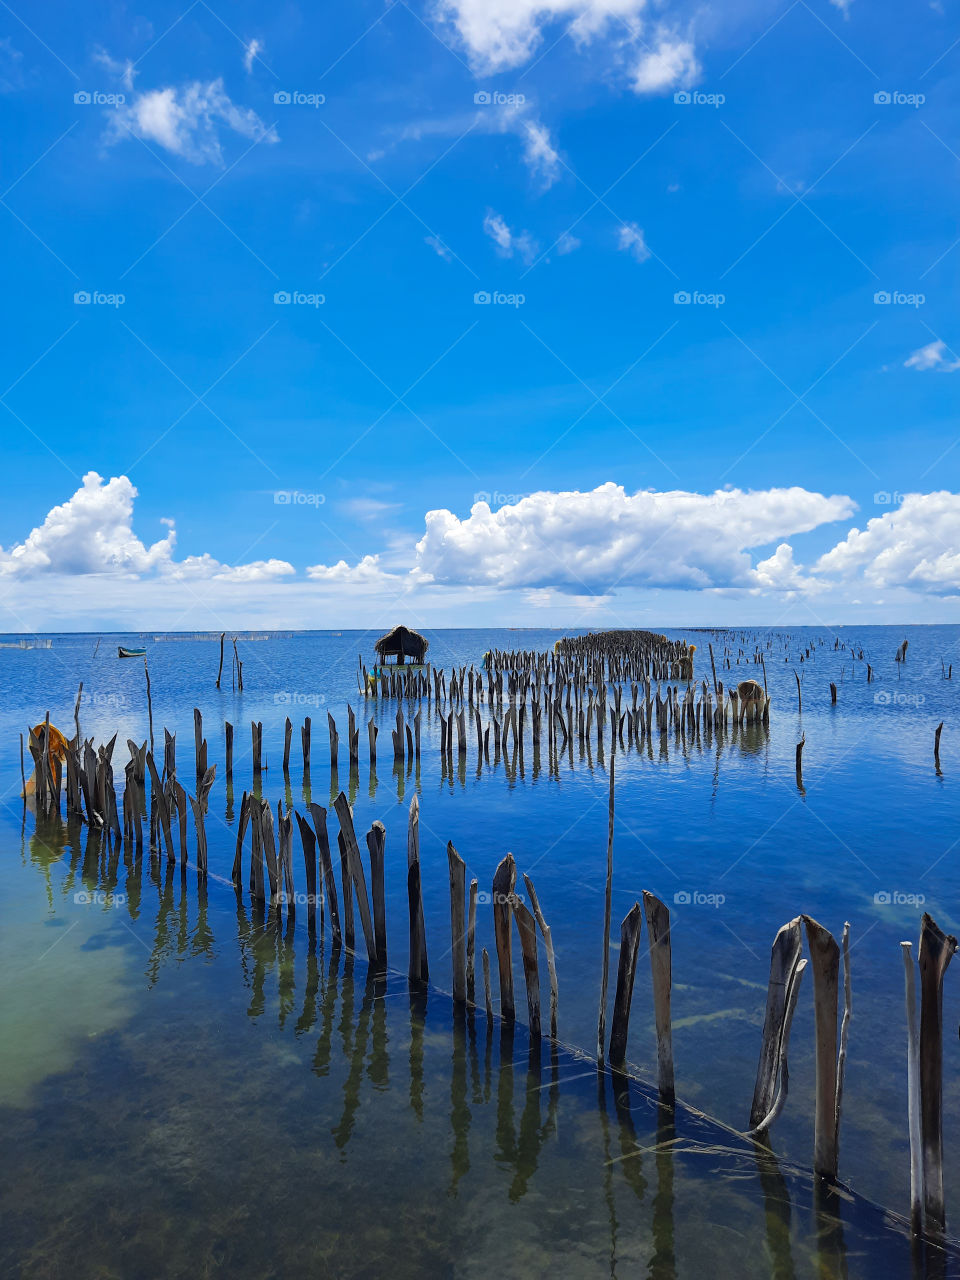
(586, 166)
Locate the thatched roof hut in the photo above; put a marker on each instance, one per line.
(403, 644)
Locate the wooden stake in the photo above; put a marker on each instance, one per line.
(418, 971)
(548, 948)
(527, 928)
(825, 960)
(626, 973)
(658, 933)
(608, 901)
(935, 953)
(376, 841)
(504, 880)
(913, 1093)
(784, 958)
(458, 931)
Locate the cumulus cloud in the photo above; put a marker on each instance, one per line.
(630, 240)
(92, 532)
(915, 545)
(501, 34)
(591, 542)
(365, 573)
(672, 64)
(932, 356)
(509, 242)
(187, 120)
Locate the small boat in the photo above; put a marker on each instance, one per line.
(130, 653)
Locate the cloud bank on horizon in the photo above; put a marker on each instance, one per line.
(596, 544)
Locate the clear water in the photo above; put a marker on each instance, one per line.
(183, 1082)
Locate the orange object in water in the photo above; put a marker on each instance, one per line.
(58, 751)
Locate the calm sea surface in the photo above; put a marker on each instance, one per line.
(188, 1088)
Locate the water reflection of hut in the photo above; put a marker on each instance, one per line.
(404, 645)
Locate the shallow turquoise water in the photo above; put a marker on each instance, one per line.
(721, 822)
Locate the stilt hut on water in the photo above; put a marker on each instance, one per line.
(408, 648)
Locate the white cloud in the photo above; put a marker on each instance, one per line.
(439, 248)
(914, 545)
(539, 153)
(672, 64)
(630, 240)
(251, 51)
(567, 243)
(92, 532)
(932, 356)
(501, 34)
(593, 541)
(124, 71)
(843, 6)
(186, 120)
(365, 573)
(508, 242)
(781, 573)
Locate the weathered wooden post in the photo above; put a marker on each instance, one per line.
(934, 955)
(658, 932)
(913, 1094)
(458, 930)
(504, 880)
(305, 730)
(784, 958)
(319, 817)
(605, 970)
(825, 961)
(345, 817)
(527, 928)
(472, 943)
(334, 740)
(626, 972)
(256, 735)
(228, 748)
(287, 738)
(487, 998)
(418, 971)
(376, 841)
(548, 948)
